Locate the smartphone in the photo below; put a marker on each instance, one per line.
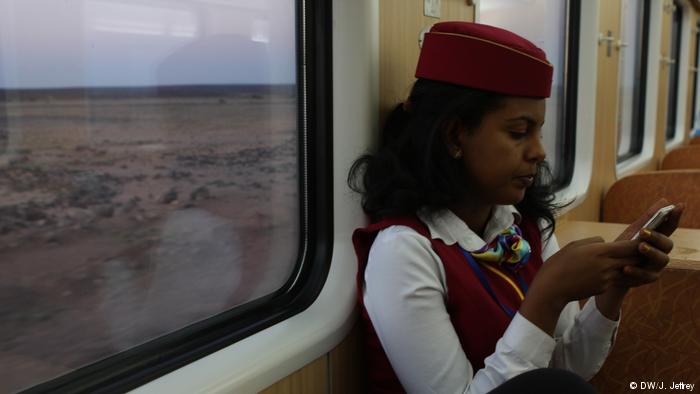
(656, 220)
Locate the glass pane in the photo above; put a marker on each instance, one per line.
(148, 171)
(630, 80)
(544, 23)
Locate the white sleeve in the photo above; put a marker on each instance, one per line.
(404, 294)
(584, 337)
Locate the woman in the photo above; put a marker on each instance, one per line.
(454, 292)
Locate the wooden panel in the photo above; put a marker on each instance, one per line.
(346, 364)
(312, 379)
(400, 23)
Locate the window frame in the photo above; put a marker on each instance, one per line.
(144, 363)
(638, 133)
(696, 64)
(643, 159)
(567, 140)
(586, 59)
(683, 63)
(674, 84)
(260, 360)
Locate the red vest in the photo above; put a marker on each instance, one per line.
(478, 320)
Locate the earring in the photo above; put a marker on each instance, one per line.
(457, 154)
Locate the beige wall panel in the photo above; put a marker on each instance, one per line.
(400, 24)
(312, 379)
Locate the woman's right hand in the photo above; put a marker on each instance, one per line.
(580, 270)
(585, 268)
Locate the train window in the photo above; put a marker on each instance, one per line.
(553, 26)
(632, 80)
(695, 115)
(156, 196)
(673, 63)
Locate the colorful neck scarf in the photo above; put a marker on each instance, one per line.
(509, 250)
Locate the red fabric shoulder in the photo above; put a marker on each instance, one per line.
(380, 375)
(363, 238)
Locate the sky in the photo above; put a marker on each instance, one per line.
(91, 43)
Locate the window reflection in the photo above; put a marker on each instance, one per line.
(141, 19)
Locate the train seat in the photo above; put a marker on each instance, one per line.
(694, 140)
(657, 338)
(682, 158)
(629, 197)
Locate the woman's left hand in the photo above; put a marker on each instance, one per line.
(654, 247)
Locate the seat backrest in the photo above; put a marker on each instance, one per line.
(694, 140)
(629, 197)
(683, 157)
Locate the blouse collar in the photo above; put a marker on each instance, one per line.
(445, 225)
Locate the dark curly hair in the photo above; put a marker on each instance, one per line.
(412, 167)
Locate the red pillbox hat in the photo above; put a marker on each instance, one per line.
(484, 57)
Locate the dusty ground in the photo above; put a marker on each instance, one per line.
(122, 220)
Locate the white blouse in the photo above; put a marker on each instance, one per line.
(405, 292)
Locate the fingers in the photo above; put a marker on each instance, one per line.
(618, 264)
(636, 276)
(655, 259)
(657, 240)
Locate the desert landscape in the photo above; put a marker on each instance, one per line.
(128, 213)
